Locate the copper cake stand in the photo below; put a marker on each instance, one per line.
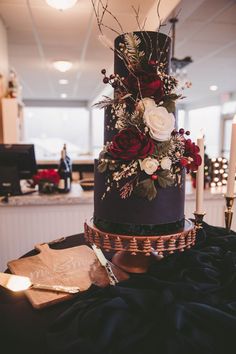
(133, 252)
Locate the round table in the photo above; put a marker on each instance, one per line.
(23, 328)
(185, 304)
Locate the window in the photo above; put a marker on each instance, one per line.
(180, 118)
(227, 137)
(97, 130)
(228, 111)
(206, 119)
(227, 129)
(229, 107)
(50, 127)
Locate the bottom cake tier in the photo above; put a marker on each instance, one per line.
(136, 215)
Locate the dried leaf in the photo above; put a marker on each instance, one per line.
(165, 179)
(104, 103)
(146, 189)
(132, 42)
(173, 96)
(102, 166)
(169, 102)
(169, 105)
(126, 96)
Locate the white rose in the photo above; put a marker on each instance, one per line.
(166, 163)
(149, 165)
(160, 123)
(147, 103)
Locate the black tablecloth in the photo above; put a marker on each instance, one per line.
(185, 304)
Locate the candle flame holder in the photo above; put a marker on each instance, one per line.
(229, 212)
(199, 219)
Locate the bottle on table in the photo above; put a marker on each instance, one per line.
(64, 184)
(68, 160)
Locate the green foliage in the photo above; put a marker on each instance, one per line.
(106, 164)
(112, 166)
(162, 149)
(146, 189)
(169, 102)
(165, 178)
(169, 105)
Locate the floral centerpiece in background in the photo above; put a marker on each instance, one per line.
(47, 181)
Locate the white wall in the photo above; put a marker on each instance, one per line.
(3, 52)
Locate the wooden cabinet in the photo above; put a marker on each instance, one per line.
(11, 121)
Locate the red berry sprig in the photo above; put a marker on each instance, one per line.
(113, 80)
(154, 177)
(182, 132)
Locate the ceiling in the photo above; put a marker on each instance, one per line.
(207, 32)
(39, 34)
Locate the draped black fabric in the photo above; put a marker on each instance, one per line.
(185, 304)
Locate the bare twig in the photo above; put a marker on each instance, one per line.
(105, 8)
(110, 28)
(136, 11)
(103, 13)
(96, 12)
(100, 18)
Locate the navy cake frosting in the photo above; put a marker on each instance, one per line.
(140, 175)
(138, 216)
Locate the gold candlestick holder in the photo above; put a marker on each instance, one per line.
(199, 219)
(229, 212)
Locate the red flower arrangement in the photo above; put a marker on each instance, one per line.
(191, 159)
(146, 84)
(130, 144)
(50, 176)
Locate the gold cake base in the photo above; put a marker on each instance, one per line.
(132, 252)
(134, 264)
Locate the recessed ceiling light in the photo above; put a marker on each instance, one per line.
(63, 81)
(213, 88)
(62, 65)
(61, 4)
(63, 95)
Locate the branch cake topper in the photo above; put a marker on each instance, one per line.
(146, 152)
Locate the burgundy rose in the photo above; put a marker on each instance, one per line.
(149, 84)
(51, 176)
(130, 144)
(192, 151)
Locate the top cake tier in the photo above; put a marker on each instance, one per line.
(156, 47)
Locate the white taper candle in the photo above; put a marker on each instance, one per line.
(200, 178)
(232, 162)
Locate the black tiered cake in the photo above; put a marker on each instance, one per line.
(140, 174)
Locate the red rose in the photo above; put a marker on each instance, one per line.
(130, 144)
(192, 150)
(149, 84)
(183, 161)
(47, 176)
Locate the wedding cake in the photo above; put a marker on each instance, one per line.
(140, 174)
